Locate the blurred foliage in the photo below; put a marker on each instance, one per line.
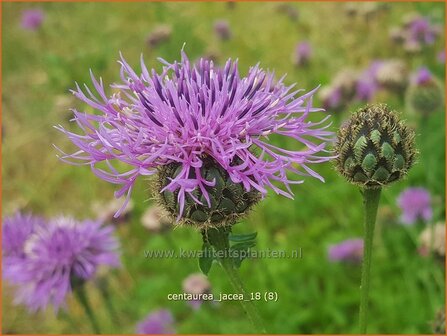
(315, 296)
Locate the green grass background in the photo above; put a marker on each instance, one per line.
(315, 296)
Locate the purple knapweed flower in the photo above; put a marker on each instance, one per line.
(331, 98)
(56, 254)
(196, 284)
(189, 112)
(350, 250)
(415, 203)
(15, 232)
(32, 19)
(303, 52)
(222, 29)
(367, 85)
(422, 76)
(421, 30)
(157, 322)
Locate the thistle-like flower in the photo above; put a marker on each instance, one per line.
(374, 147)
(58, 255)
(425, 93)
(205, 131)
(415, 204)
(32, 19)
(349, 250)
(157, 322)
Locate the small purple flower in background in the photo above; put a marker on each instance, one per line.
(441, 57)
(56, 254)
(422, 31)
(331, 98)
(191, 113)
(303, 52)
(367, 85)
(157, 322)
(196, 284)
(222, 29)
(32, 19)
(422, 76)
(350, 250)
(415, 203)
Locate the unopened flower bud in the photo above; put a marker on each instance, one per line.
(374, 147)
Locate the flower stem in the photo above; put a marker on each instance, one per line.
(218, 238)
(105, 293)
(371, 197)
(83, 300)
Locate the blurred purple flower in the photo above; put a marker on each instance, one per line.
(415, 203)
(192, 111)
(57, 253)
(331, 98)
(15, 231)
(303, 52)
(350, 250)
(195, 284)
(32, 19)
(422, 76)
(441, 57)
(367, 85)
(157, 322)
(421, 30)
(222, 29)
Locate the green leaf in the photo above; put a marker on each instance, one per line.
(242, 237)
(243, 246)
(206, 259)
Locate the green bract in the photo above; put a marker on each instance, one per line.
(229, 200)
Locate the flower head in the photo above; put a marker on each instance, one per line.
(425, 93)
(331, 98)
(58, 254)
(421, 30)
(32, 19)
(374, 147)
(200, 126)
(222, 29)
(422, 76)
(303, 52)
(157, 322)
(15, 231)
(415, 204)
(349, 250)
(367, 85)
(196, 284)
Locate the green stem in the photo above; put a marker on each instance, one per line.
(105, 293)
(218, 238)
(371, 197)
(83, 300)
